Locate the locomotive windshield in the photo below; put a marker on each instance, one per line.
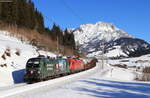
(34, 62)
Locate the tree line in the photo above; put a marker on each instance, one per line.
(22, 13)
(139, 52)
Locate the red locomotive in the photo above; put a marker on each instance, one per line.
(75, 65)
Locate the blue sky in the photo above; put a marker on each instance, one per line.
(133, 16)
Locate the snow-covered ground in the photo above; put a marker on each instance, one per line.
(109, 82)
(12, 65)
(136, 61)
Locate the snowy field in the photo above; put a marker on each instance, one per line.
(136, 61)
(109, 82)
(99, 86)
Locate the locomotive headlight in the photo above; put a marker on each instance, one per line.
(38, 72)
(31, 72)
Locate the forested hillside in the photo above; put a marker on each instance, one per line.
(23, 14)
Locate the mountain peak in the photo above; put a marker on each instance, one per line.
(103, 24)
(92, 37)
(101, 30)
(100, 27)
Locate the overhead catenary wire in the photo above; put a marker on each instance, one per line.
(72, 11)
(63, 2)
(49, 19)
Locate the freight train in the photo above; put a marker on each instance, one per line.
(42, 68)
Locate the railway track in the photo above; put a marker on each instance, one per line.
(21, 89)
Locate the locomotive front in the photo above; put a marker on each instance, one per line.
(32, 70)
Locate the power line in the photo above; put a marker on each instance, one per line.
(49, 19)
(72, 10)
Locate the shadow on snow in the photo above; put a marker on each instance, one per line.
(115, 89)
(18, 76)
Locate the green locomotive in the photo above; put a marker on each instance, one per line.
(38, 69)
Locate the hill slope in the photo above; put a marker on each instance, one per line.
(13, 57)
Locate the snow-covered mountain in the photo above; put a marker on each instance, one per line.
(93, 38)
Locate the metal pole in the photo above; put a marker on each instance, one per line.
(103, 55)
(57, 44)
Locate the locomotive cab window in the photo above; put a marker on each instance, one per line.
(33, 63)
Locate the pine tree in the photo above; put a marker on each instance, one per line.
(21, 13)
(56, 32)
(39, 24)
(31, 14)
(15, 12)
(69, 39)
(0, 10)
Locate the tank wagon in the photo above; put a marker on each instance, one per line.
(42, 68)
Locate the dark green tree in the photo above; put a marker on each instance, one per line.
(69, 39)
